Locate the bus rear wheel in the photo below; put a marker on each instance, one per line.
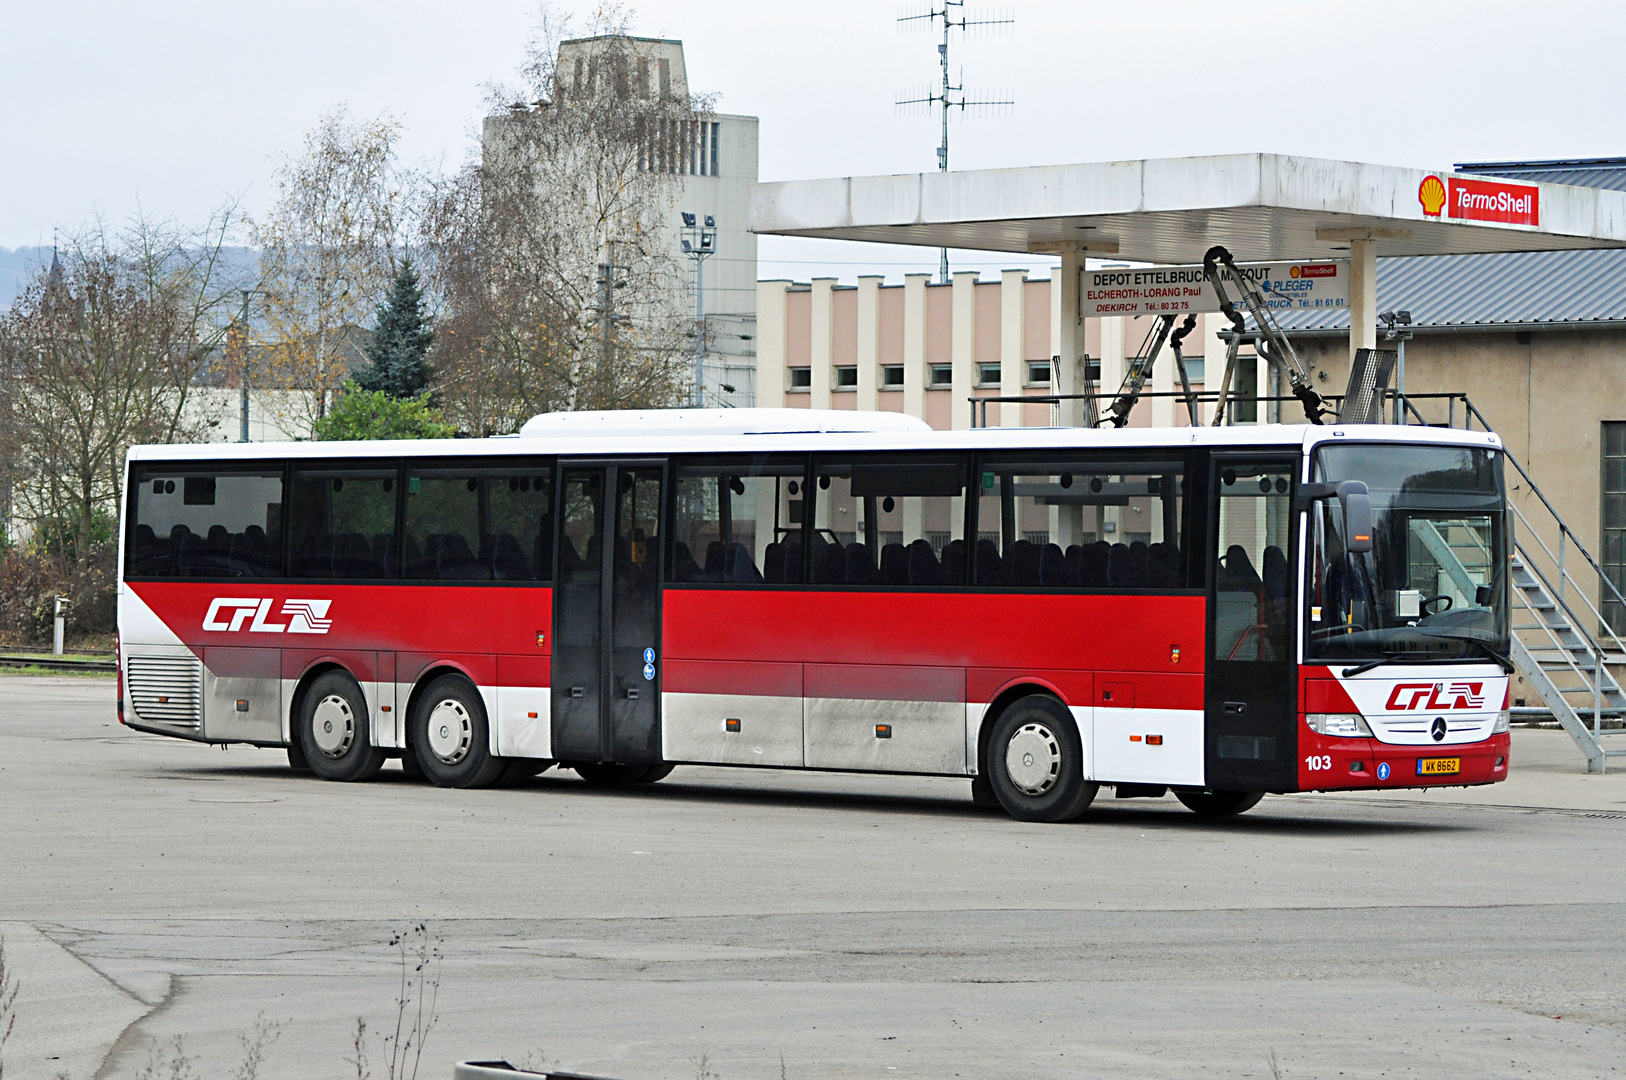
(334, 732)
(1219, 803)
(450, 737)
(1036, 762)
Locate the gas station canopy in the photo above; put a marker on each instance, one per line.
(1262, 207)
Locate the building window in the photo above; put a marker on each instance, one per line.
(1614, 518)
(1195, 369)
(801, 378)
(846, 378)
(988, 375)
(1092, 369)
(1038, 373)
(942, 375)
(714, 128)
(891, 376)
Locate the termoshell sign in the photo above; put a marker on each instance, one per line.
(1480, 200)
(1176, 290)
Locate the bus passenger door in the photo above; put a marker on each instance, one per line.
(1250, 696)
(606, 633)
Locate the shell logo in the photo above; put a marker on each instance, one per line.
(1294, 272)
(1431, 193)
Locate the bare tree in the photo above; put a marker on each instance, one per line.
(100, 352)
(327, 249)
(552, 256)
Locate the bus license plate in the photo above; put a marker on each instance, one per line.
(1439, 766)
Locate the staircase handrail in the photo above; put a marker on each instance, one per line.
(1564, 531)
(1561, 596)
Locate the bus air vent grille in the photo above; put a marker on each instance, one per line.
(166, 690)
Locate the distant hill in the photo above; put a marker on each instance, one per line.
(18, 266)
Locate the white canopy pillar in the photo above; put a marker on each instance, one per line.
(1069, 335)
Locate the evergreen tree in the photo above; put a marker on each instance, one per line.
(397, 349)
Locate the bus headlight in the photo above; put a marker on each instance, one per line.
(1501, 725)
(1339, 725)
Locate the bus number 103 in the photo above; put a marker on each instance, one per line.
(1318, 762)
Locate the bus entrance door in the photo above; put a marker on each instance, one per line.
(606, 615)
(1250, 698)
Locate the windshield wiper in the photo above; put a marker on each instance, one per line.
(1368, 665)
(1502, 661)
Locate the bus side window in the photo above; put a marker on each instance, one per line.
(1080, 524)
(341, 523)
(1251, 576)
(889, 521)
(206, 524)
(738, 521)
(477, 524)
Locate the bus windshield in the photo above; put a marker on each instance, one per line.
(1434, 586)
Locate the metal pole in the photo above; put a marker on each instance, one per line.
(60, 628)
(700, 332)
(609, 308)
(1400, 381)
(942, 150)
(245, 407)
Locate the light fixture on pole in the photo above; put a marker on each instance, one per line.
(699, 242)
(1398, 329)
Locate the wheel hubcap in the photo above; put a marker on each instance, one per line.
(334, 726)
(1033, 759)
(450, 731)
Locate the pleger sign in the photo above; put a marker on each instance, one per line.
(1176, 290)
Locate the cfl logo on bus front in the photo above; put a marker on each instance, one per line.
(253, 614)
(1433, 697)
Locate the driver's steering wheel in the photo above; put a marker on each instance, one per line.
(1422, 605)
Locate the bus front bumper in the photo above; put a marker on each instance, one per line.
(1336, 764)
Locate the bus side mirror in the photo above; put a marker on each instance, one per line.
(1357, 507)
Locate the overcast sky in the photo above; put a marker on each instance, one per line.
(179, 105)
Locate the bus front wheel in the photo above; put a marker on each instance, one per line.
(1219, 803)
(1036, 762)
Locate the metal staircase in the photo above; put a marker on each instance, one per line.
(1563, 645)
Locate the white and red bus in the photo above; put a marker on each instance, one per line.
(1221, 612)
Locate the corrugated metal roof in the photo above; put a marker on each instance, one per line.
(1608, 173)
(1521, 288)
(1575, 287)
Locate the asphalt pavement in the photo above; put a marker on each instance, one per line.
(778, 924)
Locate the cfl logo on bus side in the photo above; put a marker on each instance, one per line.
(304, 616)
(1432, 697)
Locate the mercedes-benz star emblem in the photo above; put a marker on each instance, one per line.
(1438, 729)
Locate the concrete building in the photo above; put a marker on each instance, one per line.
(715, 163)
(1506, 315)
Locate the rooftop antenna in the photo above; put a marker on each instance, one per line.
(952, 96)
